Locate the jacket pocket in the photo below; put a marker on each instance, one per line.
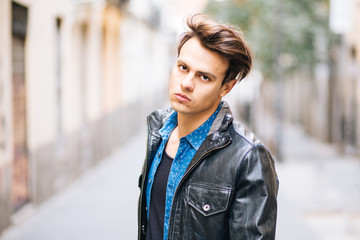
(208, 200)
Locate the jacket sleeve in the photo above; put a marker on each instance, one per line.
(254, 208)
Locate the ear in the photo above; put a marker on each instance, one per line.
(226, 88)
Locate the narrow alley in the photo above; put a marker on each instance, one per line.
(78, 77)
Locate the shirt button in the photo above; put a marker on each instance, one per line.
(158, 154)
(206, 207)
(150, 180)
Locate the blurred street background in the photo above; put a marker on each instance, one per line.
(79, 77)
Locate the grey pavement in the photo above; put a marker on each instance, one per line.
(319, 197)
(102, 204)
(319, 194)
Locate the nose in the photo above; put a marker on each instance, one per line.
(187, 83)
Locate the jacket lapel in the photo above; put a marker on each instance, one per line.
(218, 136)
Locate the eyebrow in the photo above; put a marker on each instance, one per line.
(201, 72)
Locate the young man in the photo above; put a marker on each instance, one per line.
(205, 176)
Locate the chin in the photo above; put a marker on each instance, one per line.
(179, 107)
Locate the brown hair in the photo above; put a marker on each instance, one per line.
(226, 40)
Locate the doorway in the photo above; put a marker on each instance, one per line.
(20, 176)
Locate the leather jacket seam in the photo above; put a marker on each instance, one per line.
(253, 146)
(242, 162)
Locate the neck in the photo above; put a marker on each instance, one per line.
(188, 123)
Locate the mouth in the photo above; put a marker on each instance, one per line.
(182, 98)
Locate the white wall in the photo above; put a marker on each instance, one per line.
(41, 69)
(5, 84)
(94, 108)
(74, 90)
(145, 59)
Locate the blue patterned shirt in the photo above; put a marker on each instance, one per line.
(187, 148)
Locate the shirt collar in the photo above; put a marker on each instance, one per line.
(196, 137)
(169, 126)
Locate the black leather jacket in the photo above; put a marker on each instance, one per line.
(228, 191)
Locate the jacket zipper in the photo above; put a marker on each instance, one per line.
(190, 169)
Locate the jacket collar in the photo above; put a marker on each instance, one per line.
(218, 136)
(223, 118)
(220, 124)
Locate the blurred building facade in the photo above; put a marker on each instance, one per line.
(346, 83)
(77, 77)
(327, 101)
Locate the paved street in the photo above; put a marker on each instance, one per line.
(102, 204)
(319, 197)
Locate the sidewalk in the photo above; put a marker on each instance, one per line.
(319, 197)
(101, 205)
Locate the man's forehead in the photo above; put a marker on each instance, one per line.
(196, 56)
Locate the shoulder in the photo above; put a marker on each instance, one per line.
(160, 113)
(255, 156)
(242, 137)
(245, 139)
(157, 118)
(240, 130)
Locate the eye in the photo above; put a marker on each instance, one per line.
(205, 78)
(182, 68)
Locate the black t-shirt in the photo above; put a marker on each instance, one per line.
(155, 226)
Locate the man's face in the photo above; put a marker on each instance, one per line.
(196, 80)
